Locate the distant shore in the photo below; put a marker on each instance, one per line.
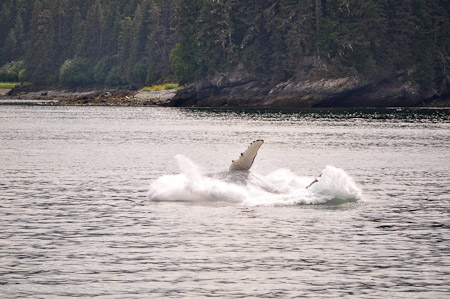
(125, 97)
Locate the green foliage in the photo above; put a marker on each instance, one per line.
(276, 39)
(153, 74)
(139, 71)
(353, 32)
(76, 72)
(167, 86)
(161, 38)
(128, 35)
(114, 77)
(182, 64)
(39, 58)
(8, 85)
(93, 39)
(102, 69)
(11, 70)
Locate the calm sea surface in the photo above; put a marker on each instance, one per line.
(77, 218)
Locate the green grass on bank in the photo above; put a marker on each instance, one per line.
(161, 87)
(8, 85)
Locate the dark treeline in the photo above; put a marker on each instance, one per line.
(79, 42)
(84, 42)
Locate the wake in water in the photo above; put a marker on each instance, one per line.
(281, 187)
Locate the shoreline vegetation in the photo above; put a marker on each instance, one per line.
(167, 86)
(8, 85)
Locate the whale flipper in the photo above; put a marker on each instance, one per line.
(246, 159)
(315, 181)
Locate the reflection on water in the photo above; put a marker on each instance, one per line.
(77, 220)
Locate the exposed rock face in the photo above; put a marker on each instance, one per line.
(312, 88)
(311, 92)
(235, 89)
(158, 97)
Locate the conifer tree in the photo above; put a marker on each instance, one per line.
(63, 21)
(123, 62)
(302, 32)
(138, 40)
(13, 46)
(184, 57)
(5, 22)
(161, 38)
(40, 56)
(92, 42)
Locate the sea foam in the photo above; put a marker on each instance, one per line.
(279, 188)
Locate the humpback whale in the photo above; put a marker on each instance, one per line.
(246, 159)
(238, 184)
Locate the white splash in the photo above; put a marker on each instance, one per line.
(281, 187)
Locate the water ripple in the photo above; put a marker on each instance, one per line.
(76, 220)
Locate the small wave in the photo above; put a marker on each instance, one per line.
(279, 188)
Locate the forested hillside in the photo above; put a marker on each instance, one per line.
(84, 42)
(79, 42)
(273, 37)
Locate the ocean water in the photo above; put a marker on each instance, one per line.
(123, 202)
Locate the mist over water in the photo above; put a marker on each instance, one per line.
(122, 202)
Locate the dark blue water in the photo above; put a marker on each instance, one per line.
(77, 219)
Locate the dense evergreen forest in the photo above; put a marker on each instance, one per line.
(84, 42)
(81, 42)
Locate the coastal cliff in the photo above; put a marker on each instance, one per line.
(316, 87)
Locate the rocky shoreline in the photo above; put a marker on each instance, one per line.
(239, 90)
(314, 87)
(87, 98)
(323, 93)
